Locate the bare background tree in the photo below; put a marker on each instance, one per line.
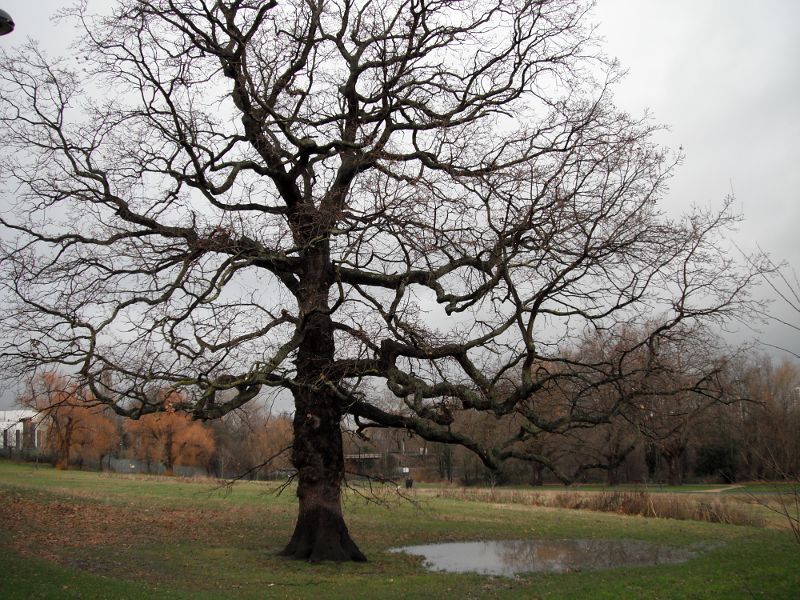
(783, 281)
(333, 197)
(252, 442)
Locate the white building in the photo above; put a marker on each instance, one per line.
(18, 429)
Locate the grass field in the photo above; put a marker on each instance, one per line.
(68, 534)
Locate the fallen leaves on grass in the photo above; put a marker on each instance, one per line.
(49, 527)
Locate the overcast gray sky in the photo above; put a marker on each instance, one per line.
(722, 74)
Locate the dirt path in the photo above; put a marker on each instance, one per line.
(722, 489)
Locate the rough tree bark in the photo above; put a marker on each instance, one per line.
(317, 453)
(320, 532)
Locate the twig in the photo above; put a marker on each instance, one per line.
(227, 484)
(372, 496)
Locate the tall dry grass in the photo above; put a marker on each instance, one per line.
(639, 503)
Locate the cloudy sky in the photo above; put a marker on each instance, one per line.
(722, 74)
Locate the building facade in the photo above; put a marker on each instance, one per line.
(19, 430)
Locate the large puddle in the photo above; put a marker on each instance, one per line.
(509, 558)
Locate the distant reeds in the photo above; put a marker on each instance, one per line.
(639, 503)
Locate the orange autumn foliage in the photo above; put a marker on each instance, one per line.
(77, 430)
(171, 438)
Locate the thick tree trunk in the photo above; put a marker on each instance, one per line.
(317, 453)
(320, 532)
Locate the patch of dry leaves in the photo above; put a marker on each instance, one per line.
(49, 527)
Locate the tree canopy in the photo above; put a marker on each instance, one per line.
(334, 197)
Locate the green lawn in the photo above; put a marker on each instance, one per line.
(89, 535)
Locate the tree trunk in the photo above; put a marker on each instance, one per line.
(169, 453)
(674, 469)
(320, 532)
(611, 477)
(65, 446)
(538, 475)
(317, 452)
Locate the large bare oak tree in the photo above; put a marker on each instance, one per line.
(331, 197)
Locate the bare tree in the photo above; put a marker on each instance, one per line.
(612, 389)
(327, 197)
(253, 442)
(688, 375)
(782, 279)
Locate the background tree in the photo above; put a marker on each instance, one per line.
(787, 285)
(606, 447)
(766, 427)
(328, 197)
(97, 438)
(253, 442)
(782, 279)
(606, 367)
(74, 431)
(684, 379)
(171, 438)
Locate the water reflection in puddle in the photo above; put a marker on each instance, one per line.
(552, 556)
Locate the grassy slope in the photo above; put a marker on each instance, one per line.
(104, 537)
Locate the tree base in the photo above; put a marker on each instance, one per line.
(322, 535)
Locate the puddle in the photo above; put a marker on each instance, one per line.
(511, 557)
